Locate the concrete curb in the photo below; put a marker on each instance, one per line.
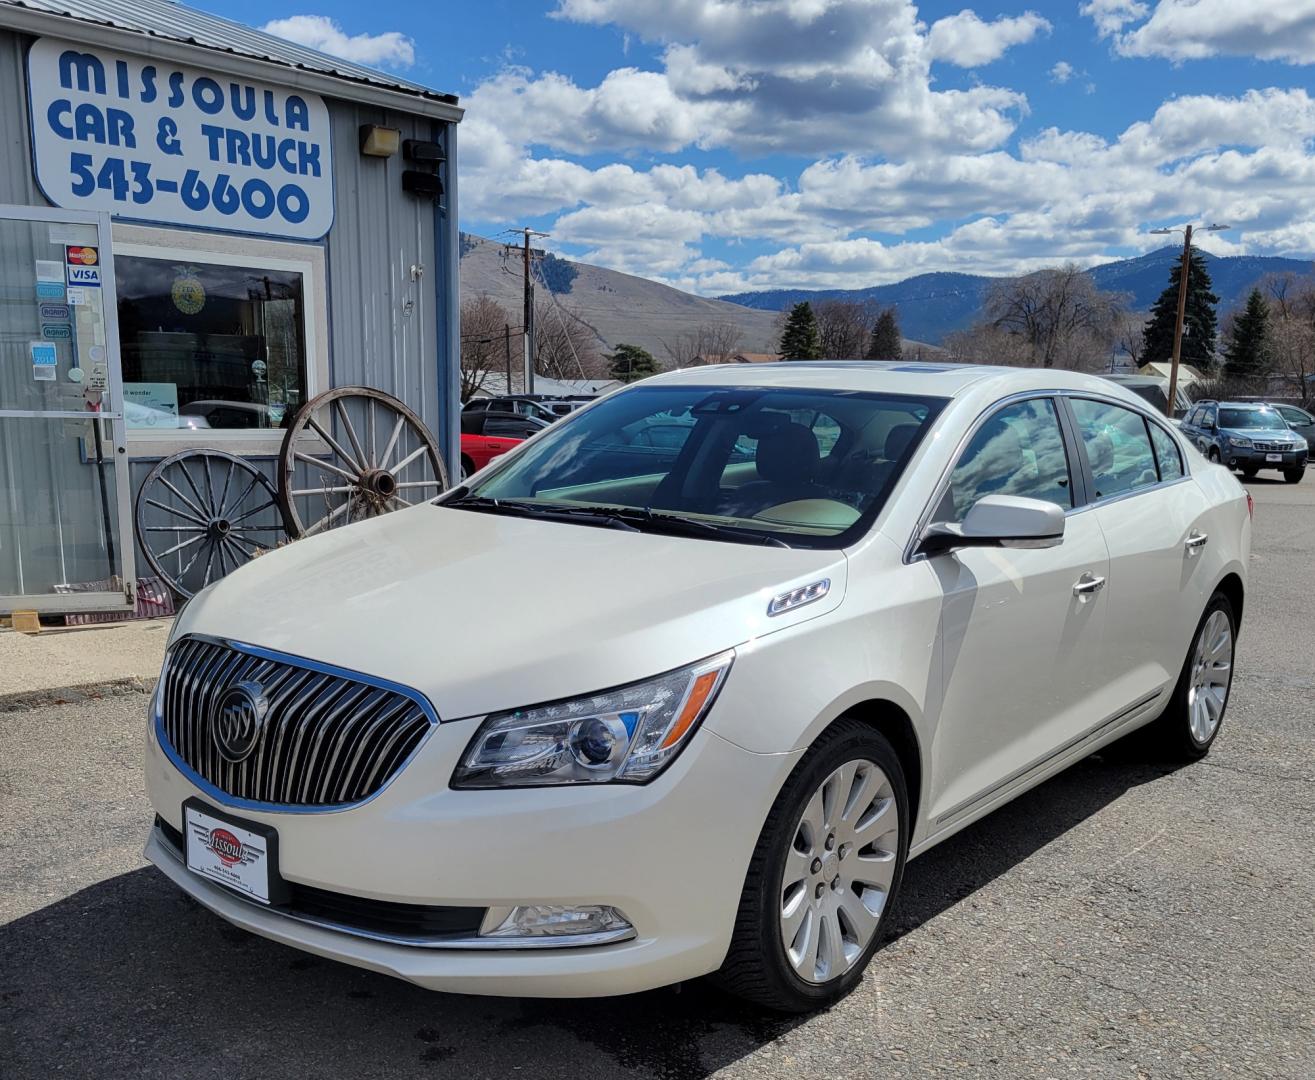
(25, 700)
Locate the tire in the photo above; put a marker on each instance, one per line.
(759, 966)
(1293, 476)
(1214, 454)
(467, 467)
(1174, 736)
(1249, 472)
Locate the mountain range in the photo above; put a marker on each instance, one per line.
(619, 307)
(929, 306)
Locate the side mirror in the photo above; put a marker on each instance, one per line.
(998, 521)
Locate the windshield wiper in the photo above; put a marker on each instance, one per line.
(629, 518)
(583, 515)
(675, 525)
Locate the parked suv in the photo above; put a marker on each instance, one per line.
(1248, 436)
(1300, 421)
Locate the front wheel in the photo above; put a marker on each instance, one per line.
(1214, 454)
(1293, 476)
(826, 869)
(1187, 728)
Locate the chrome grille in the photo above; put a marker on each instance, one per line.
(328, 739)
(1273, 446)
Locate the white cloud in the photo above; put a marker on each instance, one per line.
(968, 41)
(1111, 16)
(847, 86)
(390, 48)
(1196, 29)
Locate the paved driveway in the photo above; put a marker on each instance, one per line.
(1120, 921)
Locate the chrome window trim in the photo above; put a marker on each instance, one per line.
(224, 798)
(911, 554)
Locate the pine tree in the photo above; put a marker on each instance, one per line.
(1248, 348)
(800, 339)
(630, 363)
(1200, 322)
(885, 343)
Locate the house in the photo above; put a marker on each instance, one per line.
(736, 358)
(1162, 369)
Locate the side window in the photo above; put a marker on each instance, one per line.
(1018, 451)
(1167, 455)
(1208, 416)
(1118, 447)
(1194, 417)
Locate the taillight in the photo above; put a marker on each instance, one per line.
(1251, 506)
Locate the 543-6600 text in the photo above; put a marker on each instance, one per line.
(133, 180)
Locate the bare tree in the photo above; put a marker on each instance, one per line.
(566, 346)
(986, 343)
(483, 326)
(706, 343)
(843, 328)
(1129, 336)
(1064, 318)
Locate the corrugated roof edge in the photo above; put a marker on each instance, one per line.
(32, 18)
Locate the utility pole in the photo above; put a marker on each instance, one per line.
(506, 348)
(1182, 310)
(1178, 326)
(526, 255)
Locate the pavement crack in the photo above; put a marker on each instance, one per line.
(1100, 981)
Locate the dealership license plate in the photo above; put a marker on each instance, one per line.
(1273, 457)
(223, 851)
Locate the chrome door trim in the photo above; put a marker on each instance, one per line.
(1019, 775)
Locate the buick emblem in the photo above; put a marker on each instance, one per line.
(238, 719)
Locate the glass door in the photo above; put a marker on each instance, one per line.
(65, 529)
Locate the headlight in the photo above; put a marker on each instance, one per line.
(628, 735)
(1237, 440)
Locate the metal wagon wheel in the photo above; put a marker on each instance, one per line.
(381, 458)
(201, 514)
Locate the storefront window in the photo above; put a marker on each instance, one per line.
(207, 345)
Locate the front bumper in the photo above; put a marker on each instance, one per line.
(1239, 457)
(670, 855)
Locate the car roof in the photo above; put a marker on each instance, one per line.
(921, 379)
(1243, 404)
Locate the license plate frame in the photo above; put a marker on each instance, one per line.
(249, 864)
(1273, 457)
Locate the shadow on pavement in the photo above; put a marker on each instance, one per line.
(130, 978)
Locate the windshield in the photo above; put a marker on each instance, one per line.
(1251, 418)
(780, 465)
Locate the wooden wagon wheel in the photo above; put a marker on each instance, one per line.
(201, 514)
(381, 458)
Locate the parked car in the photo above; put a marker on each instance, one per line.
(478, 450)
(1155, 391)
(516, 404)
(1300, 421)
(1249, 436)
(858, 607)
(501, 425)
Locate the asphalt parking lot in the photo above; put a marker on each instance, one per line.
(1123, 920)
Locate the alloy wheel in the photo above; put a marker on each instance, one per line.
(839, 870)
(1212, 672)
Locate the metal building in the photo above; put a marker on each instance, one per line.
(201, 227)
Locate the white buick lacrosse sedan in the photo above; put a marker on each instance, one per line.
(678, 686)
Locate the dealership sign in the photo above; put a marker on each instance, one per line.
(163, 143)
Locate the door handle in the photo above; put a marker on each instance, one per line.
(1088, 585)
(1195, 542)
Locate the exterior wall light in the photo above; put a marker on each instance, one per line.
(379, 141)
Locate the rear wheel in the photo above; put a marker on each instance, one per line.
(1293, 476)
(827, 866)
(1189, 724)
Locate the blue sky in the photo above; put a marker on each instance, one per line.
(732, 144)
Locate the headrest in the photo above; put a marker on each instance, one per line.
(788, 455)
(898, 439)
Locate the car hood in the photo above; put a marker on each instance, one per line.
(1265, 434)
(482, 612)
